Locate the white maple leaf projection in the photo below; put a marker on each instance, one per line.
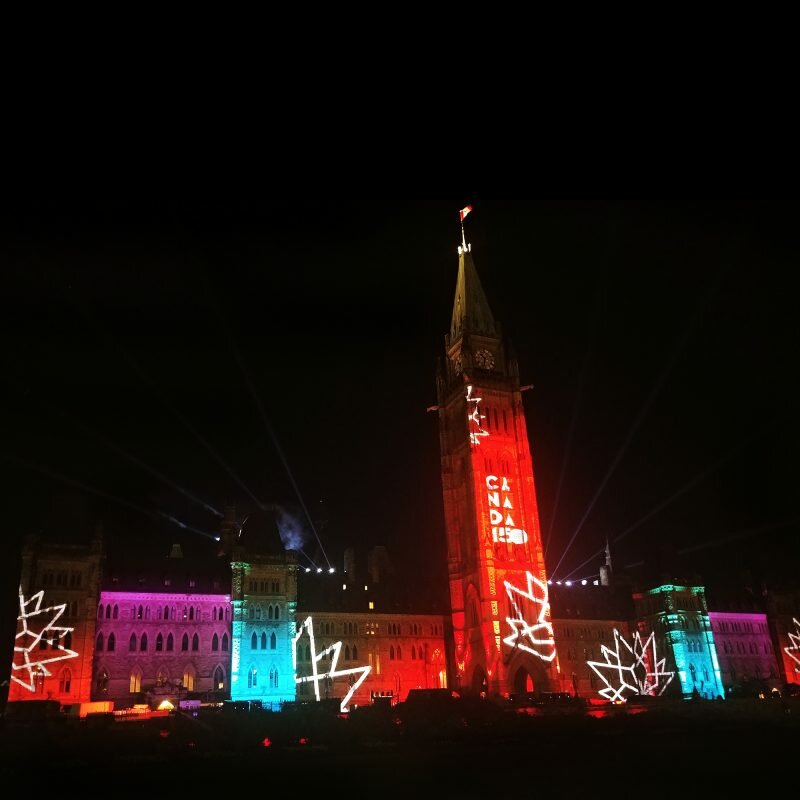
(628, 668)
(793, 650)
(333, 672)
(37, 624)
(532, 637)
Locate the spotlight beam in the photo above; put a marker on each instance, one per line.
(699, 478)
(57, 476)
(111, 445)
(575, 409)
(677, 351)
(264, 418)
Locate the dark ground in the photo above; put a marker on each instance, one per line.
(708, 749)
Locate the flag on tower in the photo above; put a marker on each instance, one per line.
(464, 211)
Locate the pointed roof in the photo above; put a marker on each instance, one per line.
(471, 312)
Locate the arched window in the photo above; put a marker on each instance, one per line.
(273, 678)
(347, 652)
(185, 642)
(399, 653)
(225, 642)
(391, 652)
(143, 643)
(252, 677)
(166, 612)
(100, 611)
(263, 641)
(258, 612)
(195, 642)
(355, 652)
(162, 677)
(308, 654)
(191, 613)
(254, 641)
(170, 643)
(64, 681)
(413, 652)
(102, 681)
(215, 642)
(273, 641)
(68, 641)
(219, 678)
(159, 643)
(277, 612)
(185, 612)
(140, 612)
(188, 679)
(135, 682)
(252, 612)
(270, 612)
(108, 612)
(132, 643)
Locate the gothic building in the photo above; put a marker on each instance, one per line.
(494, 551)
(59, 591)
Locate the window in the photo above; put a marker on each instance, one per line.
(252, 677)
(170, 643)
(108, 612)
(413, 653)
(277, 612)
(102, 682)
(399, 653)
(225, 642)
(185, 642)
(219, 678)
(258, 612)
(140, 612)
(159, 643)
(270, 613)
(273, 641)
(263, 641)
(188, 679)
(391, 652)
(166, 612)
(143, 643)
(135, 682)
(273, 679)
(347, 652)
(132, 643)
(254, 641)
(112, 642)
(99, 645)
(64, 681)
(215, 643)
(162, 677)
(355, 652)
(191, 614)
(100, 611)
(195, 643)
(68, 641)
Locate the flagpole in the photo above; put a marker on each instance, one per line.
(463, 238)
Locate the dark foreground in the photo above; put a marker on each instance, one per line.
(720, 749)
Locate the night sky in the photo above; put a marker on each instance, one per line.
(659, 334)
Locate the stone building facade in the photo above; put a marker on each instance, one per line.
(68, 575)
(164, 645)
(744, 648)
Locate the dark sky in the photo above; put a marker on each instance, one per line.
(663, 323)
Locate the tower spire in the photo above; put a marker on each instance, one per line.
(471, 312)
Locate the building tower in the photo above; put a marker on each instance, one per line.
(502, 635)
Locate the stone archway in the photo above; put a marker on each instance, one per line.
(523, 681)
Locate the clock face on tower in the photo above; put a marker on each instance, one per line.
(484, 359)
